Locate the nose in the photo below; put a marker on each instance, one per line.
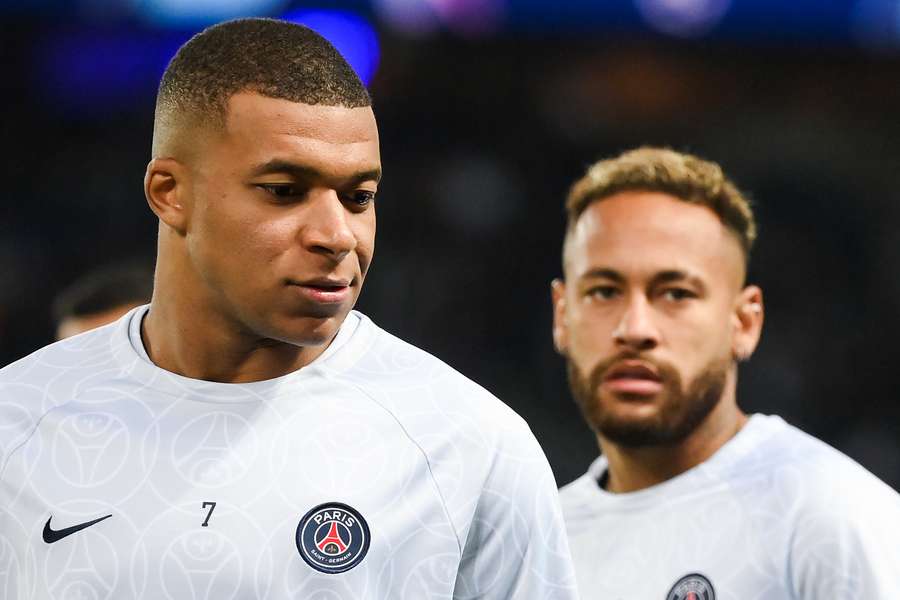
(326, 228)
(636, 330)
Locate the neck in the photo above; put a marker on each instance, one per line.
(204, 349)
(636, 468)
(189, 336)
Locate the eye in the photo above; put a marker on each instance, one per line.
(280, 190)
(678, 294)
(361, 198)
(603, 292)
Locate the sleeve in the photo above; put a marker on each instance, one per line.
(21, 408)
(849, 548)
(516, 545)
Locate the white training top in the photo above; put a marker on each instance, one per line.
(374, 472)
(775, 514)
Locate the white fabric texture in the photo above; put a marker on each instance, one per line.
(775, 514)
(457, 496)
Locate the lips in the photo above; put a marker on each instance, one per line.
(323, 290)
(632, 369)
(324, 283)
(633, 377)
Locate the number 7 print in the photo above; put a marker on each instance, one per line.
(212, 507)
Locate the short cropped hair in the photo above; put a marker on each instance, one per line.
(103, 289)
(273, 58)
(683, 176)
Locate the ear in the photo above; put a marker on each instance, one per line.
(560, 329)
(165, 185)
(748, 321)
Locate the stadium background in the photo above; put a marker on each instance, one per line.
(488, 109)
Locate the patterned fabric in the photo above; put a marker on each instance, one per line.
(775, 514)
(374, 472)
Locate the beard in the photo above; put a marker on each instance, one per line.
(680, 410)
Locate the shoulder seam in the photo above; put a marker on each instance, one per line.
(37, 423)
(437, 487)
(30, 435)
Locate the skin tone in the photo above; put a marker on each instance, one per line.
(267, 230)
(74, 325)
(654, 285)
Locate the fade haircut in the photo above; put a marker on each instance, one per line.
(683, 176)
(273, 58)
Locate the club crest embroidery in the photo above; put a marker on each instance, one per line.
(333, 537)
(692, 587)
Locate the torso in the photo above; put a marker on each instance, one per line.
(750, 523)
(208, 485)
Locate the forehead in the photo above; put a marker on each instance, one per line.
(640, 234)
(261, 126)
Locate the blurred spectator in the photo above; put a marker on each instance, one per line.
(101, 296)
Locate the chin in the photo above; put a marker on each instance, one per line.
(633, 431)
(666, 421)
(625, 425)
(307, 330)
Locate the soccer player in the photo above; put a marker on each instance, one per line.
(99, 297)
(691, 498)
(247, 435)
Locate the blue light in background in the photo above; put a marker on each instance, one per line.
(876, 24)
(416, 18)
(352, 35)
(200, 13)
(99, 70)
(683, 18)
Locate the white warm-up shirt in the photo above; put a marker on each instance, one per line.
(775, 514)
(375, 472)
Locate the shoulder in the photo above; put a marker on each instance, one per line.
(79, 353)
(845, 522)
(48, 378)
(477, 449)
(583, 501)
(829, 499)
(411, 383)
(576, 499)
(823, 474)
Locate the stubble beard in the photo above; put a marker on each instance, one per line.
(680, 411)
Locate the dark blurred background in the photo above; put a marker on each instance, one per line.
(488, 110)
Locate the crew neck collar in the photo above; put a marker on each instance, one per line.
(131, 354)
(697, 478)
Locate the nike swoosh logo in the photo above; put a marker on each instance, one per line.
(51, 535)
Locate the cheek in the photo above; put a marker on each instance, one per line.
(242, 244)
(698, 341)
(364, 231)
(269, 239)
(589, 333)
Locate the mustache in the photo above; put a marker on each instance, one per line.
(667, 371)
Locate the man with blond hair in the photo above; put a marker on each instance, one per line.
(692, 499)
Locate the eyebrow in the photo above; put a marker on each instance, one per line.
(278, 165)
(669, 276)
(603, 274)
(676, 276)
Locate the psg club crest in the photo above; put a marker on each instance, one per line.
(333, 537)
(692, 587)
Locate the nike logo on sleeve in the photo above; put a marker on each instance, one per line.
(51, 535)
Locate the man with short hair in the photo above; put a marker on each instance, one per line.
(691, 498)
(246, 434)
(100, 296)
